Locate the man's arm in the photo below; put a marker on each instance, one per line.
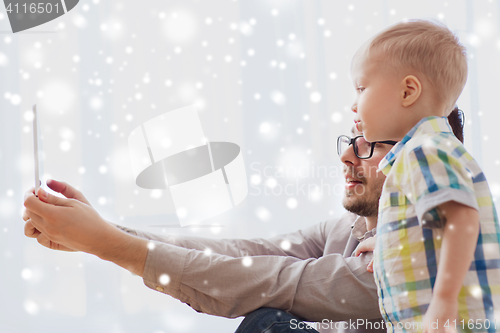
(127, 251)
(302, 244)
(330, 287)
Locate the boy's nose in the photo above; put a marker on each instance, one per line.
(354, 107)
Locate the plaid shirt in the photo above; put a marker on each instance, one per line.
(426, 169)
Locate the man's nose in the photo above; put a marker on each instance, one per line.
(348, 156)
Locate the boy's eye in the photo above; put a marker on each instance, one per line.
(360, 89)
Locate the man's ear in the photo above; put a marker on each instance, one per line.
(411, 90)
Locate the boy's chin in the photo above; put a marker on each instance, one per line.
(371, 137)
(368, 135)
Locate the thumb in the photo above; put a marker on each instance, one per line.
(359, 249)
(52, 199)
(369, 268)
(67, 190)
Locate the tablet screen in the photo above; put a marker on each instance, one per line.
(38, 150)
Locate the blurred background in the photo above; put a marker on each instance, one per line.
(269, 75)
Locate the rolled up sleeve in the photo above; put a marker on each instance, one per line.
(330, 287)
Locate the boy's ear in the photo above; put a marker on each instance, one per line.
(411, 90)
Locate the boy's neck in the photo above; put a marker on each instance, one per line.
(417, 115)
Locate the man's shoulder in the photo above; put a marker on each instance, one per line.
(341, 223)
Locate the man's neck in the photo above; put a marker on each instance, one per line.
(371, 222)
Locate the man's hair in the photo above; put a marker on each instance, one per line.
(429, 48)
(456, 119)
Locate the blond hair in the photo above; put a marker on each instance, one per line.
(429, 48)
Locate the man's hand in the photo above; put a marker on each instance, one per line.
(67, 222)
(71, 224)
(69, 192)
(368, 245)
(32, 232)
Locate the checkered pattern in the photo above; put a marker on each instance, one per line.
(427, 168)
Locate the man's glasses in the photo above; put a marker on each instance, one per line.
(362, 148)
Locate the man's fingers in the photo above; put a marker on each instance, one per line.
(67, 190)
(25, 215)
(43, 240)
(29, 193)
(33, 204)
(35, 220)
(30, 230)
(52, 199)
(44, 204)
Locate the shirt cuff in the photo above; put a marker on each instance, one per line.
(125, 229)
(164, 268)
(429, 218)
(157, 237)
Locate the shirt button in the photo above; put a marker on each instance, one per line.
(159, 288)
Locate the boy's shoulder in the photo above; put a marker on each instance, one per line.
(443, 143)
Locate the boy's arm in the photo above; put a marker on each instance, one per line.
(457, 252)
(457, 248)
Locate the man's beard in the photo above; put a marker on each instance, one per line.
(365, 204)
(362, 207)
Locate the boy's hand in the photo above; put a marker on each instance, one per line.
(440, 316)
(368, 245)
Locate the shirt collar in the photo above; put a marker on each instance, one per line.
(359, 229)
(428, 125)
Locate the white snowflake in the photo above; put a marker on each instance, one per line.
(292, 203)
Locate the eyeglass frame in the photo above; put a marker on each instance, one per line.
(352, 141)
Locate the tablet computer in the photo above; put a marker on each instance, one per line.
(38, 150)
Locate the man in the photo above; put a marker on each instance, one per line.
(315, 278)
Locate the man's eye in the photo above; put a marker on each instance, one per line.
(360, 89)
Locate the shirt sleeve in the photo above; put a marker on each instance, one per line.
(330, 287)
(302, 244)
(434, 177)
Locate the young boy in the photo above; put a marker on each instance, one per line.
(437, 253)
